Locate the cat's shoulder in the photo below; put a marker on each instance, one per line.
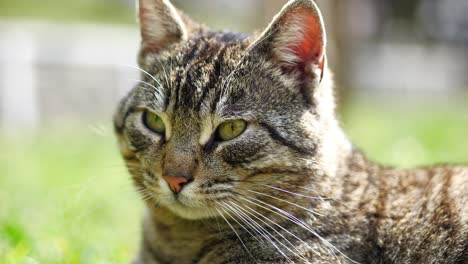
(426, 215)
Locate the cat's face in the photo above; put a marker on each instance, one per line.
(219, 117)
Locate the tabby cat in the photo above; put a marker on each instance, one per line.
(233, 142)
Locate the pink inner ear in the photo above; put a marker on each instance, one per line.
(309, 46)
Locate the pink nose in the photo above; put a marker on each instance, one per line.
(175, 183)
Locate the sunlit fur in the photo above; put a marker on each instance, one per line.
(289, 189)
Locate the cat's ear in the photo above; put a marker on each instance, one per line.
(161, 25)
(296, 39)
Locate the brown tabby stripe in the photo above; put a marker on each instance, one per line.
(213, 78)
(187, 93)
(181, 77)
(246, 160)
(286, 142)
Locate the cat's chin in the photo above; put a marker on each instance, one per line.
(191, 213)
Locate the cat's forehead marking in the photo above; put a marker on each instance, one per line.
(199, 71)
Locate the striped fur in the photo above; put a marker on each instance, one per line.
(291, 188)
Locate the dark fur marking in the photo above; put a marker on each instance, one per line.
(247, 160)
(188, 59)
(285, 142)
(214, 76)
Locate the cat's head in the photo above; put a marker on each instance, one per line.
(221, 118)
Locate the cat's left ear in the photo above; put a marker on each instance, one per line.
(161, 25)
(296, 39)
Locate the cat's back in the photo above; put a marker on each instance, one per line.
(424, 215)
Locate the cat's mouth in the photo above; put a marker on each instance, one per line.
(188, 203)
(185, 204)
(188, 209)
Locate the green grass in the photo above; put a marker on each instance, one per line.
(407, 136)
(65, 196)
(68, 10)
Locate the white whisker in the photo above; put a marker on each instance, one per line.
(286, 201)
(165, 73)
(145, 72)
(281, 227)
(235, 232)
(264, 233)
(246, 214)
(223, 207)
(143, 82)
(291, 192)
(297, 221)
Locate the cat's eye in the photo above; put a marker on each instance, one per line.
(231, 129)
(154, 122)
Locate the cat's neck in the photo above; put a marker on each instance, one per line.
(167, 236)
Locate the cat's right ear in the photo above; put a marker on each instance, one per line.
(161, 26)
(295, 40)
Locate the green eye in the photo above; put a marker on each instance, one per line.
(231, 129)
(154, 122)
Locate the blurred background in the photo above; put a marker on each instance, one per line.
(401, 68)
